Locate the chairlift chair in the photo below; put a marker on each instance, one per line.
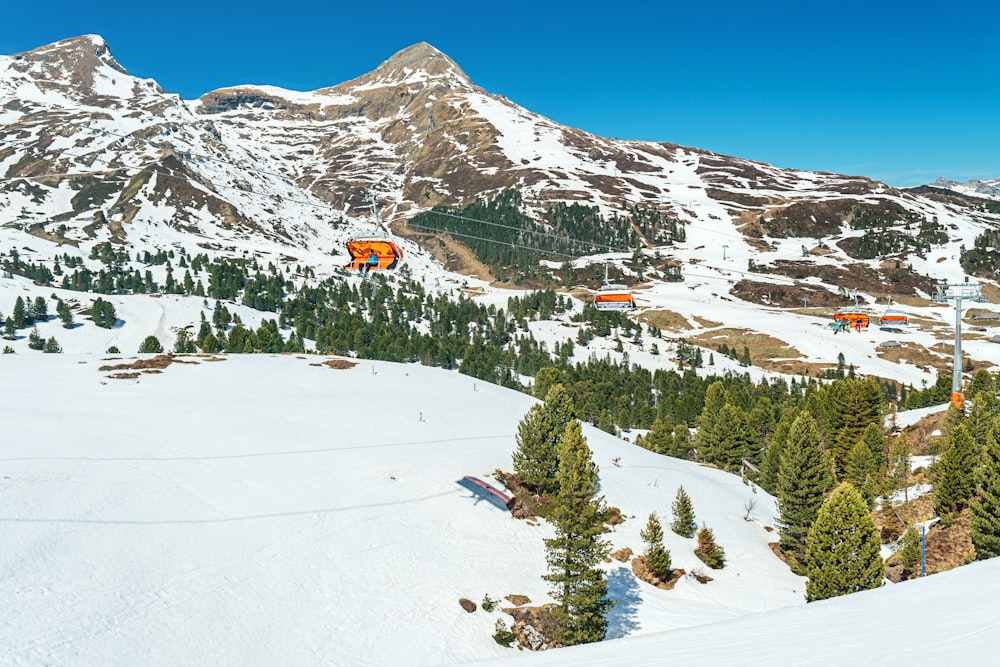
(379, 241)
(613, 296)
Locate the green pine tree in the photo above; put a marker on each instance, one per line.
(536, 459)
(20, 314)
(909, 550)
(854, 405)
(842, 548)
(707, 551)
(183, 343)
(35, 340)
(772, 455)
(683, 510)
(656, 555)
(65, 314)
(574, 555)
(897, 472)
(804, 477)
(985, 507)
(955, 484)
(707, 438)
(52, 346)
(150, 345)
(862, 471)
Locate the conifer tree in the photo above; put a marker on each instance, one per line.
(150, 345)
(210, 345)
(536, 459)
(708, 552)
(772, 455)
(20, 314)
(804, 477)
(706, 438)
(955, 483)
(726, 448)
(857, 404)
(683, 510)
(35, 340)
(680, 445)
(183, 343)
(874, 439)
(657, 556)
(985, 507)
(40, 309)
(897, 473)
(52, 346)
(660, 437)
(65, 314)
(909, 550)
(842, 549)
(862, 471)
(579, 585)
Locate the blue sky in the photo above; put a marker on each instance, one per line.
(899, 91)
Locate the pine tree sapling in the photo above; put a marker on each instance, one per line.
(909, 550)
(657, 556)
(710, 553)
(684, 523)
(842, 548)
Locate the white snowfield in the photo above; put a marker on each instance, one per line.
(262, 510)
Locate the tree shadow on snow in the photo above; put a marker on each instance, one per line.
(623, 586)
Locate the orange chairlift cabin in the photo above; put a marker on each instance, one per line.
(376, 251)
(613, 297)
(891, 316)
(854, 315)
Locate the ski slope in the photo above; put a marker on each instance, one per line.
(261, 510)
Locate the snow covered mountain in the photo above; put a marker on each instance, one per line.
(94, 154)
(979, 188)
(216, 517)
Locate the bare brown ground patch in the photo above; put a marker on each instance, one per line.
(921, 435)
(766, 351)
(152, 365)
(666, 320)
(991, 292)
(947, 546)
(337, 364)
(705, 322)
(641, 572)
(915, 355)
(453, 254)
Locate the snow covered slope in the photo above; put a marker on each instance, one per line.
(199, 515)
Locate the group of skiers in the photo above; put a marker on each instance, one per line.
(845, 325)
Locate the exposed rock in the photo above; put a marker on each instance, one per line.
(641, 572)
(467, 604)
(622, 555)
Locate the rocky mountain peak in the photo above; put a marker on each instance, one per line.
(74, 55)
(419, 63)
(422, 57)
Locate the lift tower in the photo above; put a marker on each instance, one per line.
(957, 293)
